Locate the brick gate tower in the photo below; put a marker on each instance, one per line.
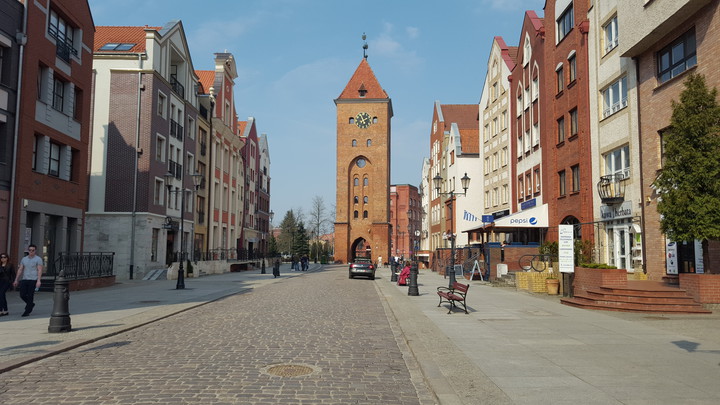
(362, 221)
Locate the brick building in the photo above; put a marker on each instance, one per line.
(567, 159)
(12, 40)
(687, 42)
(144, 140)
(362, 222)
(50, 187)
(405, 214)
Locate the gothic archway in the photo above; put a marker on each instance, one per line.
(360, 248)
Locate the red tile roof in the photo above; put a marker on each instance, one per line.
(363, 79)
(122, 35)
(241, 127)
(464, 115)
(470, 140)
(206, 79)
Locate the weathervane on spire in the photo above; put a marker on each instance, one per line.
(365, 45)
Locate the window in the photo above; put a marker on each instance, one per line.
(506, 193)
(354, 143)
(366, 181)
(526, 141)
(504, 157)
(365, 214)
(575, 178)
(573, 122)
(496, 127)
(157, 192)
(487, 165)
(528, 185)
(617, 162)
(572, 64)
(504, 119)
(162, 105)
(63, 33)
(610, 36)
(527, 51)
(154, 244)
(355, 214)
(486, 132)
(487, 199)
(360, 163)
(58, 99)
(561, 129)
(356, 199)
(519, 106)
(495, 91)
(351, 120)
(521, 188)
(160, 148)
(535, 88)
(77, 104)
(369, 143)
(561, 183)
(495, 161)
(495, 197)
(54, 162)
(356, 182)
(536, 134)
(115, 46)
(365, 200)
(191, 129)
(560, 79)
(677, 57)
(565, 23)
(615, 97)
(35, 152)
(536, 174)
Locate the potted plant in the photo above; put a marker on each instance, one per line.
(552, 283)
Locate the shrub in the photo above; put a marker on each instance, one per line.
(596, 266)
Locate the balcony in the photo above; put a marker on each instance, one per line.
(611, 188)
(177, 87)
(175, 168)
(176, 130)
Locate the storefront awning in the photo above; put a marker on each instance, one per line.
(536, 217)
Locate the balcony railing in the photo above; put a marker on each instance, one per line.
(176, 130)
(611, 188)
(177, 87)
(175, 168)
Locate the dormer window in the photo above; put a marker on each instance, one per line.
(362, 91)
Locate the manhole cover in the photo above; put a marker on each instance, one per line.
(288, 370)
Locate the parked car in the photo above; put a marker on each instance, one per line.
(362, 266)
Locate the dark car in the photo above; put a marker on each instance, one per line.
(362, 266)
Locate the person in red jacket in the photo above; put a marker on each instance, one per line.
(404, 274)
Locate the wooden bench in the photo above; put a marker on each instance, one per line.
(454, 295)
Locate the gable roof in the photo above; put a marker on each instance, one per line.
(121, 35)
(363, 79)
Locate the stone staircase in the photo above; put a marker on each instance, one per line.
(506, 280)
(637, 296)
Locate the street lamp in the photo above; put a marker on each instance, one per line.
(196, 178)
(264, 247)
(465, 181)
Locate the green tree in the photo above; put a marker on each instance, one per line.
(272, 246)
(689, 183)
(301, 244)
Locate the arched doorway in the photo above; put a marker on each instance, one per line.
(577, 230)
(360, 248)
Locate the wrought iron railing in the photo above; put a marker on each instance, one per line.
(176, 130)
(177, 87)
(227, 254)
(82, 265)
(611, 188)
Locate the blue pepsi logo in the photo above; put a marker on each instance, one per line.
(533, 221)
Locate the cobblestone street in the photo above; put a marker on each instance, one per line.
(320, 339)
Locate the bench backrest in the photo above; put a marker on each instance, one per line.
(461, 287)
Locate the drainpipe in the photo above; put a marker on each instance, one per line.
(140, 89)
(211, 174)
(21, 38)
(640, 154)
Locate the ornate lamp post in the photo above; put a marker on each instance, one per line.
(196, 179)
(465, 181)
(264, 251)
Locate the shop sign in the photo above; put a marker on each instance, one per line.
(566, 249)
(609, 213)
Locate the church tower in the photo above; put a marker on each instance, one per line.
(362, 222)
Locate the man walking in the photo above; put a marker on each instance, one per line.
(29, 277)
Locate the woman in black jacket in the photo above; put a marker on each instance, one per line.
(7, 275)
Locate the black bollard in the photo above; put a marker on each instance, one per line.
(262, 267)
(413, 286)
(60, 318)
(393, 276)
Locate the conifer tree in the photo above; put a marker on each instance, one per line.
(689, 183)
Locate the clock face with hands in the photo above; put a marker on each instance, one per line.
(362, 120)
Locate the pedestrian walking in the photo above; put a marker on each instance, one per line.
(304, 263)
(276, 268)
(28, 278)
(380, 263)
(7, 275)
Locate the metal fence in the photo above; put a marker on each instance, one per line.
(226, 254)
(79, 266)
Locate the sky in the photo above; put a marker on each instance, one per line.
(294, 57)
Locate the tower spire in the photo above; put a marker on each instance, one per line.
(365, 45)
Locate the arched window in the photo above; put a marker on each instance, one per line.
(356, 181)
(365, 214)
(355, 214)
(365, 200)
(351, 120)
(375, 120)
(366, 181)
(369, 143)
(354, 143)
(356, 199)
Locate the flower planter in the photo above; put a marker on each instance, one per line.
(553, 286)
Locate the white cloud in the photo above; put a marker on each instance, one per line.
(390, 48)
(412, 32)
(511, 5)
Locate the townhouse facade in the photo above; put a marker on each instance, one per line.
(615, 150)
(567, 158)
(144, 147)
(12, 40)
(251, 238)
(687, 42)
(454, 152)
(225, 165)
(48, 161)
(405, 214)
(263, 213)
(494, 134)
